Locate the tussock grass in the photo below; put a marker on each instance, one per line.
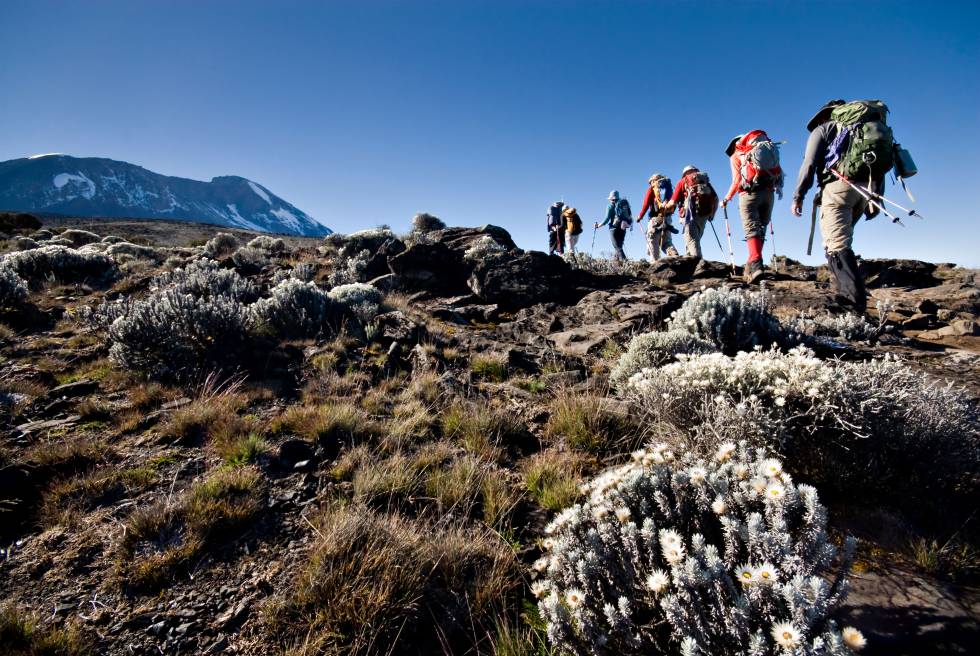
(161, 540)
(490, 367)
(585, 421)
(552, 477)
(212, 415)
(66, 499)
(382, 583)
(482, 429)
(22, 635)
(331, 424)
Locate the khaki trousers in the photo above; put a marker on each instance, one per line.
(841, 208)
(658, 239)
(693, 230)
(755, 208)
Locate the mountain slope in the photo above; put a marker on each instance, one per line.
(95, 186)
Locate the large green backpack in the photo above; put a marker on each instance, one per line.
(864, 147)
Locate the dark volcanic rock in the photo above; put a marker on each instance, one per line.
(530, 277)
(460, 239)
(433, 267)
(898, 273)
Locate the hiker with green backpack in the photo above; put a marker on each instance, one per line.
(849, 151)
(619, 218)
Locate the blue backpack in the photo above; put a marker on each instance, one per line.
(554, 215)
(662, 191)
(623, 213)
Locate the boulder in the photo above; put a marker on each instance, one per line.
(898, 273)
(433, 267)
(674, 270)
(13, 222)
(588, 340)
(460, 239)
(528, 278)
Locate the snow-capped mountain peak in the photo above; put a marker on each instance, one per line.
(92, 186)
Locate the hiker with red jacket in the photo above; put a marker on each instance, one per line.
(756, 175)
(659, 230)
(697, 201)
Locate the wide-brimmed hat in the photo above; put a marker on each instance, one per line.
(823, 114)
(731, 145)
(613, 195)
(568, 210)
(688, 169)
(654, 177)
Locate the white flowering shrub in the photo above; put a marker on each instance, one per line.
(118, 249)
(171, 334)
(361, 300)
(221, 244)
(273, 245)
(204, 278)
(295, 309)
(734, 319)
(848, 326)
(425, 222)
(602, 266)
(61, 263)
(687, 555)
(304, 271)
(654, 349)
(350, 270)
(250, 260)
(878, 427)
(482, 248)
(13, 290)
(112, 239)
(79, 237)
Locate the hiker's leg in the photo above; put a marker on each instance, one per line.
(841, 207)
(552, 242)
(619, 236)
(666, 244)
(653, 247)
(572, 243)
(692, 236)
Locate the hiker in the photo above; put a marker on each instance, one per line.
(859, 163)
(757, 177)
(556, 228)
(659, 229)
(698, 202)
(573, 228)
(619, 218)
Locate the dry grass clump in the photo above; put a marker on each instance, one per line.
(490, 367)
(380, 583)
(161, 540)
(331, 424)
(21, 635)
(552, 477)
(474, 487)
(483, 429)
(210, 416)
(389, 482)
(588, 422)
(67, 499)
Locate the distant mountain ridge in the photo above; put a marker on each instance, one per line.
(100, 187)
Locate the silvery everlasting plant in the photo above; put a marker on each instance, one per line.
(679, 555)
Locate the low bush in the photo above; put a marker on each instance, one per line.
(221, 244)
(249, 261)
(733, 319)
(80, 237)
(675, 554)
(425, 222)
(879, 427)
(358, 299)
(273, 245)
(655, 349)
(118, 249)
(297, 309)
(24, 243)
(22, 635)
(204, 278)
(13, 290)
(377, 579)
(350, 269)
(483, 248)
(61, 263)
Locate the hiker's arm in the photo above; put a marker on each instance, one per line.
(647, 204)
(816, 149)
(736, 178)
(675, 197)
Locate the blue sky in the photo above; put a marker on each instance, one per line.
(366, 112)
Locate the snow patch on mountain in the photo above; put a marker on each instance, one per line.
(45, 155)
(240, 220)
(63, 179)
(287, 217)
(260, 192)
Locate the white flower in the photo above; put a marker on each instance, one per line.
(600, 512)
(548, 543)
(786, 635)
(574, 597)
(772, 467)
(853, 638)
(540, 565)
(639, 454)
(766, 574)
(725, 452)
(658, 581)
(758, 484)
(697, 474)
(741, 471)
(719, 506)
(674, 554)
(745, 574)
(780, 401)
(540, 588)
(670, 538)
(775, 491)
(623, 514)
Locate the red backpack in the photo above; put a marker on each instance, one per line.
(759, 158)
(703, 198)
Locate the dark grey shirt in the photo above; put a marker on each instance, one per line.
(814, 158)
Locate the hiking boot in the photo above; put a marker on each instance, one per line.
(754, 272)
(848, 285)
(672, 252)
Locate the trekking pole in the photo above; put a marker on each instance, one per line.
(772, 233)
(813, 225)
(878, 196)
(728, 231)
(592, 247)
(867, 196)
